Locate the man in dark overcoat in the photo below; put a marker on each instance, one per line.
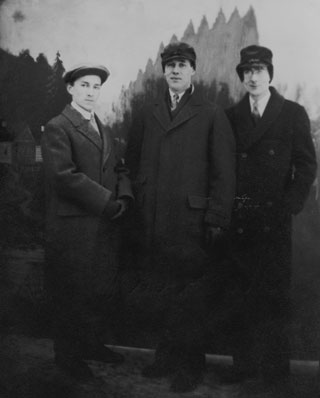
(181, 155)
(276, 166)
(87, 191)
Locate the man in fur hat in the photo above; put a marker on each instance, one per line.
(181, 157)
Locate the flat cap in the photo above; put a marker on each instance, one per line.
(86, 69)
(178, 50)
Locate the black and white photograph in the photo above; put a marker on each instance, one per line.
(159, 199)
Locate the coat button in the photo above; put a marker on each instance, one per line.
(240, 231)
(271, 152)
(244, 155)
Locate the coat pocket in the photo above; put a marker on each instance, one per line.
(194, 219)
(197, 202)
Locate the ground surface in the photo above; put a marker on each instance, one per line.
(28, 371)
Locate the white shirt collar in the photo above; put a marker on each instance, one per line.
(180, 95)
(84, 113)
(172, 93)
(261, 103)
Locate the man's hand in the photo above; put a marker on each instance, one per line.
(111, 209)
(124, 203)
(213, 234)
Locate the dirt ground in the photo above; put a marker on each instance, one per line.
(28, 371)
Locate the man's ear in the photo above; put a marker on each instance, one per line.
(69, 88)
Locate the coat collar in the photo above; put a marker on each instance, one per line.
(82, 125)
(248, 134)
(188, 111)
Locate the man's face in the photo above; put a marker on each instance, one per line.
(256, 80)
(85, 91)
(178, 74)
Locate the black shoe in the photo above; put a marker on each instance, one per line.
(276, 380)
(185, 380)
(164, 364)
(231, 376)
(103, 354)
(156, 370)
(74, 367)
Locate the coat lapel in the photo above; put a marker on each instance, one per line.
(248, 134)
(161, 113)
(107, 141)
(189, 110)
(82, 125)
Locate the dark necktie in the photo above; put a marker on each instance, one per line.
(174, 101)
(255, 112)
(94, 123)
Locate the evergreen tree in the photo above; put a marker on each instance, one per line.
(57, 94)
(43, 74)
(26, 104)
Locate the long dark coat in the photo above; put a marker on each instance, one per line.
(81, 177)
(184, 177)
(183, 171)
(276, 166)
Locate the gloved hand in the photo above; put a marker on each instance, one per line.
(124, 203)
(213, 235)
(112, 208)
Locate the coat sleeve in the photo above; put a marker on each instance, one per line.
(222, 173)
(124, 184)
(133, 152)
(304, 162)
(66, 180)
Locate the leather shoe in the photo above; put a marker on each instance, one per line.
(164, 364)
(156, 369)
(185, 380)
(74, 367)
(235, 376)
(103, 354)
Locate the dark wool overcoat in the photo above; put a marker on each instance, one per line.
(81, 176)
(184, 174)
(184, 178)
(276, 166)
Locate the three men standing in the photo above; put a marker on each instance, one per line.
(182, 158)
(86, 192)
(276, 166)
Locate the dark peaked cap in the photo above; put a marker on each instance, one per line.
(86, 69)
(253, 55)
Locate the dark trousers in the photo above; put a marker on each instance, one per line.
(82, 282)
(260, 327)
(194, 299)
